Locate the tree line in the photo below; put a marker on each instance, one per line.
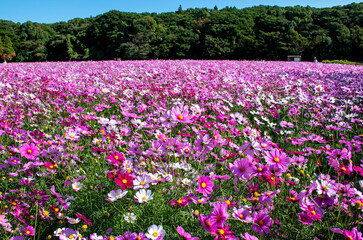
(261, 32)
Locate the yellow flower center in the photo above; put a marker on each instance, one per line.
(199, 200)
(259, 169)
(144, 198)
(344, 169)
(313, 212)
(180, 201)
(325, 188)
(28, 232)
(70, 236)
(241, 216)
(228, 202)
(29, 151)
(221, 232)
(276, 159)
(204, 185)
(116, 157)
(124, 181)
(155, 234)
(180, 117)
(45, 213)
(142, 183)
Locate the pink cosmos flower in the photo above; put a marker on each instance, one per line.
(29, 231)
(304, 218)
(185, 235)
(205, 220)
(242, 214)
(17, 238)
(181, 114)
(222, 232)
(29, 151)
(261, 222)
(219, 214)
(205, 185)
(247, 236)
(241, 168)
(3, 220)
(277, 159)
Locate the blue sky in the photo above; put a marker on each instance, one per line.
(51, 11)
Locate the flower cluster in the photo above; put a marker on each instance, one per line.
(181, 150)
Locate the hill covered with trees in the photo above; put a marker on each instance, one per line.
(262, 32)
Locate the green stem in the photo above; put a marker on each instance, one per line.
(36, 218)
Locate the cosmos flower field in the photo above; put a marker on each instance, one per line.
(132, 150)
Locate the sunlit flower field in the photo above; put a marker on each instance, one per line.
(131, 150)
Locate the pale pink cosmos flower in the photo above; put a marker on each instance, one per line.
(181, 114)
(72, 135)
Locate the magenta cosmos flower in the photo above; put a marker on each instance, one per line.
(29, 151)
(115, 158)
(124, 181)
(277, 159)
(205, 185)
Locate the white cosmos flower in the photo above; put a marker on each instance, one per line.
(102, 120)
(143, 195)
(73, 220)
(154, 232)
(130, 217)
(77, 186)
(115, 195)
(186, 181)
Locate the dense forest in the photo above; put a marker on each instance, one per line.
(262, 32)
